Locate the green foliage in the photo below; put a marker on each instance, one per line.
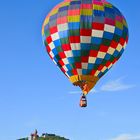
(52, 138)
(48, 138)
(23, 139)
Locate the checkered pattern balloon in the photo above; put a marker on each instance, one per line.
(85, 38)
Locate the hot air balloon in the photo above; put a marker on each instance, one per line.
(85, 38)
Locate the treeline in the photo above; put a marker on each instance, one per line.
(46, 138)
(53, 138)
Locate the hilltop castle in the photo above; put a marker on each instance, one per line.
(44, 136)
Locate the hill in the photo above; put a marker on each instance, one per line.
(44, 137)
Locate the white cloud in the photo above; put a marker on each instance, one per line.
(94, 90)
(116, 85)
(127, 137)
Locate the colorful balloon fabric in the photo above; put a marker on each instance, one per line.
(85, 38)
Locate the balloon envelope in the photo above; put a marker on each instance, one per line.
(85, 38)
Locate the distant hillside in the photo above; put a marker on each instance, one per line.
(53, 138)
(46, 137)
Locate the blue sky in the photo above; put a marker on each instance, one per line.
(35, 94)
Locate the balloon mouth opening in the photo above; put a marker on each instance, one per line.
(83, 85)
(85, 82)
